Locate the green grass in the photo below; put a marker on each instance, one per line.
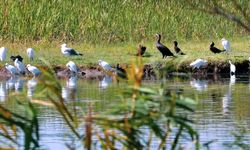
(124, 53)
(112, 21)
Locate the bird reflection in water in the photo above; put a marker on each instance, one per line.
(69, 92)
(18, 85)
(199, 85)
(104, 83)
(227, 98)
(3, 91)
(10, 84)
(31, 85)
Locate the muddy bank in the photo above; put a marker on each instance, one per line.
(151, 71)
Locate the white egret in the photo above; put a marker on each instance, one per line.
(13, 70)
(3, 53)
(72, 66)
(34, 70)
(226, 45)
(232, 68)
(30, 53)
(68, 51)
(105, 65)
(198, 63)
(20, 66)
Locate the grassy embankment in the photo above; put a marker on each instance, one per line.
(112, 30)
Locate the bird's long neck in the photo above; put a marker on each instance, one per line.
(159, 39)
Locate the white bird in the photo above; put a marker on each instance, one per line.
(72, 66)
(68, 51)
(30, 53)
(20, 66)
(3, 53)
(232, 68)
(13, 70)
(226, 45)
(105, 65)
(34, 70)
(198, 63)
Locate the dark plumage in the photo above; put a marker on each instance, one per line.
(215, 49)
(141, 50)
(120, 71)
(13, 58)
(162, 48)
(177, 49)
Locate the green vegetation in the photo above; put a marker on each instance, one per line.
(110, 21)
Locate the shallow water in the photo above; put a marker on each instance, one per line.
(223, 105)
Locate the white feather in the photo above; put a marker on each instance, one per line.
(226, 45)
(198, 63)
(20, 66)
(34, 70)
(72, 66)
(30, 53)
(13, 70)
(105, 65)
(232, 67)
(3, 53)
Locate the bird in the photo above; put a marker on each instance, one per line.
(198, 63)
(141, 50)
(232, 68)
(226, 45)
(120, 71)
(105, 65)
(162, 48)
(72, 66)
(20, 66)
(13, 58)
(34, 70)
(68, 51)
(30, 53)
(13, 70)
(104, 83)
(215, 49)
(177, 49)
(3, 53)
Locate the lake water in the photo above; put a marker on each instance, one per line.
(223, 105)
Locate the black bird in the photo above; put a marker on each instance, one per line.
(13, 58)
(177, 49)
(162, 48)
(215, 49)
(141, 50)
(121, 72)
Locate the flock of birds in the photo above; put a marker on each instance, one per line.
(20, 68)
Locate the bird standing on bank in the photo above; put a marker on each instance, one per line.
(69, 51)
(13, 58)
(162, 48)
(34, 70)
(20, 66)
(177, 49)
(141, 50)
(106, 66)
(3, 53)
(198, 63)
(232, 68)
(30, 53)
(72, 66)
(226, 45)
(11, 69)
(215, 49)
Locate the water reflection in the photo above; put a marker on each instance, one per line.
(3, 91)
(10, 84)
(70, 90)
(199, 85)
(104, 83)
(19, 85)
(227, 98)
(31, 85)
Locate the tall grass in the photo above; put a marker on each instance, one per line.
(107, 21)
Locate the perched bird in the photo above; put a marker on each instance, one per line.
(68, 51)
(30, 53)
(226, 45)
(120, 71)
(11, 69)
(105, 65)
(162, 48)
(3, 53)
(34, 70)
(20, 66)
(72, 66)
(177, 49)
(232, 68)
(215, 49)
(198, 63)
(141, 50)
(13, 58)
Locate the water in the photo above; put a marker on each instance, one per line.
(223, 105)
